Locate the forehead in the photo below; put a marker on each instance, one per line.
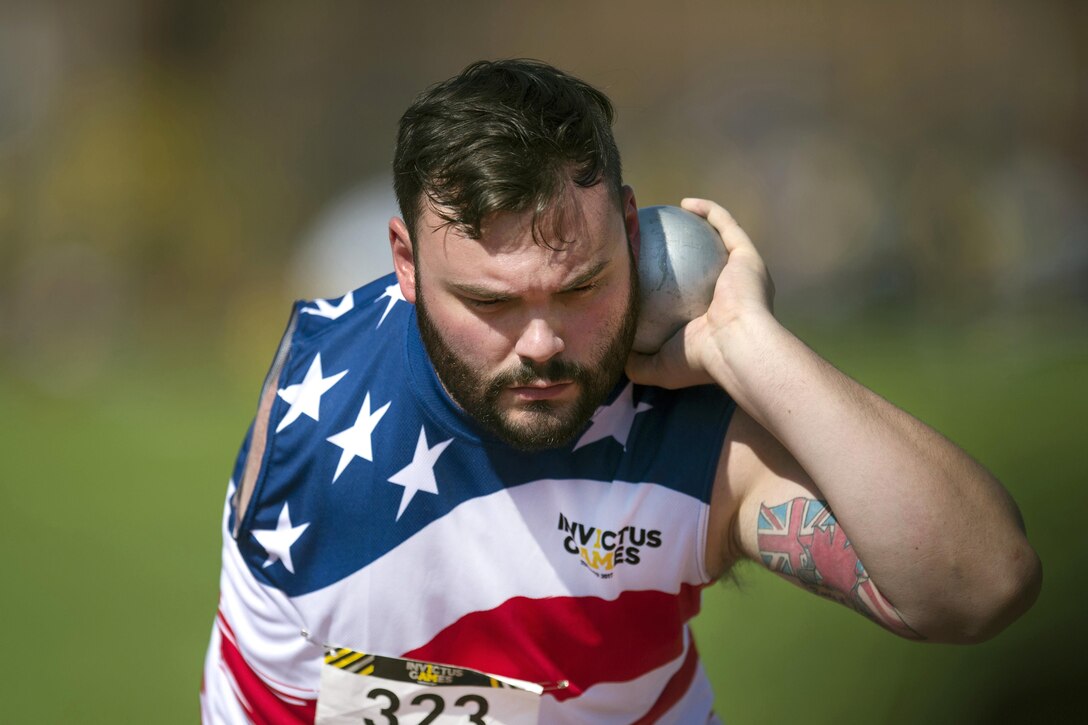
(584, 229)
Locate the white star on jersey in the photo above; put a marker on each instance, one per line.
(325, 309)
(615, 420)
(419, 474)
(277, 542)
(305, 397)
(231, 488)
(394, 295)
(355, 441)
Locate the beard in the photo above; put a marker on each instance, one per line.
(543, 423)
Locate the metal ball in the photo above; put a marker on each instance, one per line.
(680, 258)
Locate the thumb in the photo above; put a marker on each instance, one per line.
(673, 366)
(642, 368)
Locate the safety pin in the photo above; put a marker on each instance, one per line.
(309, 638)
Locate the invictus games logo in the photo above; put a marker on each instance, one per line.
(426, 673)
(602, 550)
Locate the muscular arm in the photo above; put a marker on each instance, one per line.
(801, 540)
(788, 527)
(938, 534)
(940, 537)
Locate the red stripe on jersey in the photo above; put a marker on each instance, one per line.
(584, 640)
(678, 685)
(263, 704)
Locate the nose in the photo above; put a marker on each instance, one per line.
(539, 341)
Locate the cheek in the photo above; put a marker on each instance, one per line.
(608, 316)
(475, 340)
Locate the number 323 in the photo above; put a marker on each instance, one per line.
(438, 705)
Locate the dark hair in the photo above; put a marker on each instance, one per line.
(503, 135)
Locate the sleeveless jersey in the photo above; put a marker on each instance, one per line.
(369, 512)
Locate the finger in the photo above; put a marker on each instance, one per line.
(696, 206)
(673, 366)
(731, 233)
(652, 368)
(640, 367)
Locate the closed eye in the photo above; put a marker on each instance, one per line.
(586, 283)
(485, 303)
(581, 289)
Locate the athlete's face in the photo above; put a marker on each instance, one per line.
(526, 339)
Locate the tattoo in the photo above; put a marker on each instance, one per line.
(801, 540)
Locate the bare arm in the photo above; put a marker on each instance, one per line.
(785, 524)
(909, 511)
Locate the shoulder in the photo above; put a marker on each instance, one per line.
(676, 435)
(353, 332)
(369, 306)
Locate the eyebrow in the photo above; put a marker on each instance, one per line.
(586, 276)
(479, 291)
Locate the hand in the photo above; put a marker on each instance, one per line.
(744, 293)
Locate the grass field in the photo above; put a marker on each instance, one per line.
(111, 506)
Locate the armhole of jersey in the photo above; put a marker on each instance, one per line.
(704, 524)
(258, 444)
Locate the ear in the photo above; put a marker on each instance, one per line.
(404, 263)
(630, 221)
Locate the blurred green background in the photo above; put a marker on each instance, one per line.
(172, 174)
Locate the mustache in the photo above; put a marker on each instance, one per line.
(531, 372)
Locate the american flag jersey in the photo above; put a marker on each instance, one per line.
(368, 511)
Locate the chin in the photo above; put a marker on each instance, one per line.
(538, 427)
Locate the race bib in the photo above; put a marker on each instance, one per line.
(368, 689)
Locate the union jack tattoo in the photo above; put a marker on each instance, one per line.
(801, 540)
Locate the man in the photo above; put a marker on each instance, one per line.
(464, 468)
